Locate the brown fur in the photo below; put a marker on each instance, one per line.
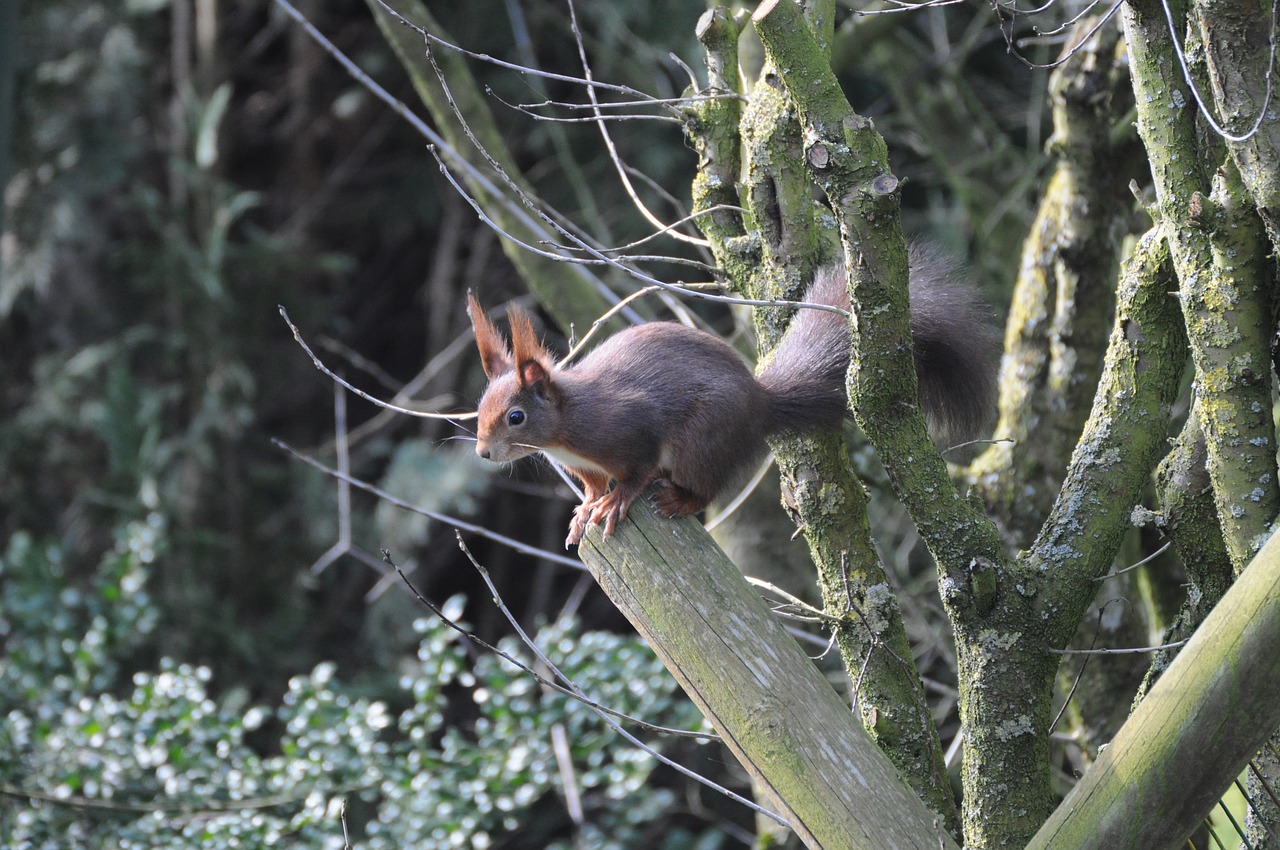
(664, 402)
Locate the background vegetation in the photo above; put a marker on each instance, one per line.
(181, 664)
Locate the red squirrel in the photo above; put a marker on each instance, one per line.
(663, 402)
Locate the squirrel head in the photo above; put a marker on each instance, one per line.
(518, 412)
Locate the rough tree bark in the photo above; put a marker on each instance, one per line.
(1064, 296)
(828, 502)
(1191, 735)
(1009, 613)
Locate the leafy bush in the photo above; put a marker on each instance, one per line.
(95, 757)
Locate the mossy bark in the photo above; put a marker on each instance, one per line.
(772, 252)
(1063, 298)
(1191, 736)
(1039, 602)
(1214, 226)
(1214, 239)
(1006, 615)
(1190, 519)
(1237, 36)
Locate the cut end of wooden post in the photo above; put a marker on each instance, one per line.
(762, 11)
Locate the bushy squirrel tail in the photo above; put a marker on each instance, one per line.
(956, 348)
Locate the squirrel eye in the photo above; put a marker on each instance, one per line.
(515, 417)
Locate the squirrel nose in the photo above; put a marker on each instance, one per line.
(482, 450)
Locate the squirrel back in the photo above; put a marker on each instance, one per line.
(667, 403)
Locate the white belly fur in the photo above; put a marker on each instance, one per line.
(564, 457)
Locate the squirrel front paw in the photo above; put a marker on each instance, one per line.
(578, 525)
(608, 510)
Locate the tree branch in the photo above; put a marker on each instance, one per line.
(1213, 240)
(824, 497)
(774, 709)
(1064, 298)
(1204, 718)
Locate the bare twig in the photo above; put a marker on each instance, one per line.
(343, 545)
(1145, 560)
(204, 805)
(604, 259)
(684, 771)
(743, 494)
(569, 689)
(453, 522)
(1128, 650)
(449, 158)
(440, 144)
(608, 139)
(1066, 57)
(1080, 673)
(297, 335)
(615, 104)
(690, 217)
(568, 775)
(523, 70)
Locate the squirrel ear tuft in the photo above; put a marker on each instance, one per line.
(524, 342)
(534, 363)
(495, 357)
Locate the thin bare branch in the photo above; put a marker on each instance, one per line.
(529, 109)
(523, 70)
(454, 522)
(297, 335)
(615, 104)
(1120, 650)
(634, 741)
(204, 805)
(569, 689)
(1145, 560)
(1066, 56)
(743, 494)
(684, 220)
(440, 146)
(581, 344)
(343, 545)
(680, 288)
(608, 139)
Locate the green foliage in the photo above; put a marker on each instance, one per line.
(94, 757)
(60, 640)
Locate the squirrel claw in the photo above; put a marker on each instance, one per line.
(605, 511)
(578, 525)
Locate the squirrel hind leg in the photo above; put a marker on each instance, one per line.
(676, 501)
